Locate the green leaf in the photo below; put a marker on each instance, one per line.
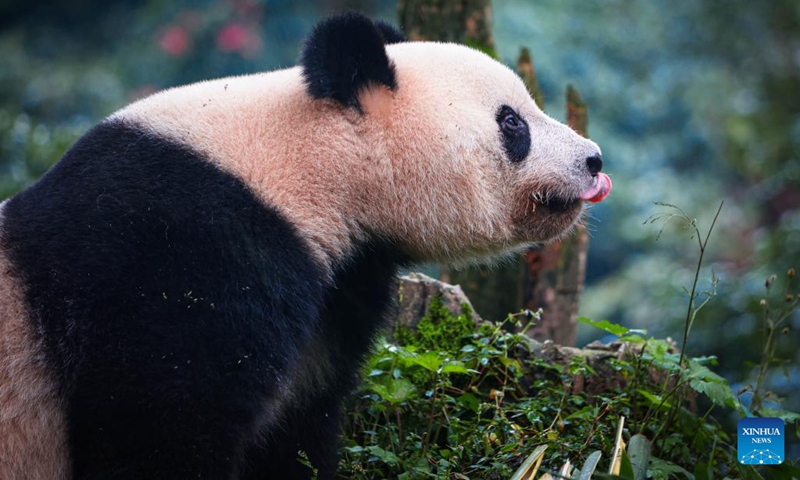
(430, 361)
(395, 391)
(668, 469)
(454, 366)
(586, 412)
(606, 326)
(785, 415)
(590, 466)
(634, 336)
(718, 394)
(512, 363)
(653, 398)
(625, 468)
(704, 381)
(706, 360)
(531, 464)
(639, 449)
(470, 402)
(383, 455)
(701, 471)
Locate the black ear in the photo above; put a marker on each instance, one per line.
(389, 33)
(345, 54)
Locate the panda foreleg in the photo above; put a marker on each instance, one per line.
(302, 445)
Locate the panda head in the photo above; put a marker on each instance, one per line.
(433, 148)
(462, 161)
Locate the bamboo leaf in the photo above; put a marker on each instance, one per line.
(619, 448)
(565, 470)
(531, 464)
(590, 466)
(639, 450)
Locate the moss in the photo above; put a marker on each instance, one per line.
(439, 329)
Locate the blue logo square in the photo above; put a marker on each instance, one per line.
(761, 441)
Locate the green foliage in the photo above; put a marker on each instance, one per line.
(31, 148)
(455, 400)
(690, 223)
(461, 410)
(607, 326)
(776, 313)
(479, 407)
(438, 329)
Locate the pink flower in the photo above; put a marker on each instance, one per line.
(174, 41)
(233, 38)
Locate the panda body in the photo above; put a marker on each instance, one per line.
(188, 293)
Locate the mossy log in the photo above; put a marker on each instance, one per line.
(416, 291)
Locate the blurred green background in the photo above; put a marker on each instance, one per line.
(693, 103)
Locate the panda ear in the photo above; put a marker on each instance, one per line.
(389, 33)
(344, 55)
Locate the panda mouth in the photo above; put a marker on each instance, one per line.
(554, 203)
(596, 192)
(558, 204)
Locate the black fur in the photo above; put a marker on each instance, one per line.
(515, 133)
(389, 33)
(173, 304)
(354, 312)
(345, 54)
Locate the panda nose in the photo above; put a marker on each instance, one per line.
(594, 164)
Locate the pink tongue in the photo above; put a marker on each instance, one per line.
(599, 190)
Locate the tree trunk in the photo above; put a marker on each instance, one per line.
(459, 21)
(527, 72)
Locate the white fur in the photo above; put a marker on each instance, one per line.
(424, 165)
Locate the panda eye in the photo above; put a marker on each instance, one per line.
(511, 122)
(515, 135)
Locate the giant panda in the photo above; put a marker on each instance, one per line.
(188, 293)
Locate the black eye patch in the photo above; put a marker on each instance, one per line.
(516, 136)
